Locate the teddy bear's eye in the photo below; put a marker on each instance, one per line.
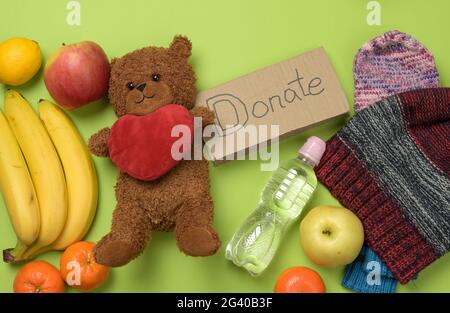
(156, 77)
(130, 86)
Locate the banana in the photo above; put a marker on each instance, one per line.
(18, 191)
(45, 169)
(79, 170)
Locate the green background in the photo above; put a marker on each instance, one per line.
(230, 38)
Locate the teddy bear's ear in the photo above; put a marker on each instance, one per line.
(113, 61)
(181, 47)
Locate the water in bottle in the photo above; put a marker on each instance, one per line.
(254, 244)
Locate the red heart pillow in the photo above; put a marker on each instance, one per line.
(141, 145)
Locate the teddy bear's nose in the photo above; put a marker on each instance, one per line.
(141, 87)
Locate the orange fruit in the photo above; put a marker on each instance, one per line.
(38, 277)
(79, 269)
(299, 279)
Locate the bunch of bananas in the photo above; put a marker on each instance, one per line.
(47, 178)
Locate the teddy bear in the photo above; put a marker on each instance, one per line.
(142, 82)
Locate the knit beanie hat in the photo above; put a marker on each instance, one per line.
(390, 165)
(355, 277)
(389, 64)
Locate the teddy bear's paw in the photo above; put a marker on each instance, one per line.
(114, 253)
(198, 241)
(98, 143)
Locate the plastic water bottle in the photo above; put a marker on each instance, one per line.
(283, 199)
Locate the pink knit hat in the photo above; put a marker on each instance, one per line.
(389, 64)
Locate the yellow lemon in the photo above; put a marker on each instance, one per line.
(20, 59)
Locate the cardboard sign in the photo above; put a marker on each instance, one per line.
(295, 94)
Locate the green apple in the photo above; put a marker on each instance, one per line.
(331, 236)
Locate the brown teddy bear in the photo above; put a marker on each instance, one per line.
(141, 82)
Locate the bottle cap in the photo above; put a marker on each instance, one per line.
(313, 149)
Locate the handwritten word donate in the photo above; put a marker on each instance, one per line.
(292, 95)
(295, 90)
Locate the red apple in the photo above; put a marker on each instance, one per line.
(77, 74)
